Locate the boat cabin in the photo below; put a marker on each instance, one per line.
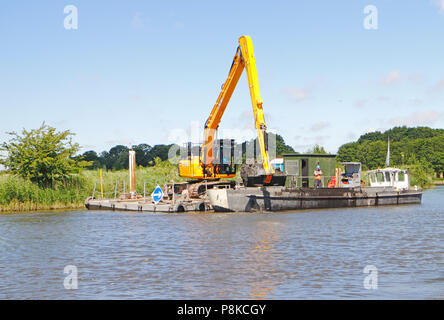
(389, 177)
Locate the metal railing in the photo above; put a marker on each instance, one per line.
(115, 191)
(297, 181)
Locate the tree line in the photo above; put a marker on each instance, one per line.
(49, 157)
(117, 157)
(420, 146)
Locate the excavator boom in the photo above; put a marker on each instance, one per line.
(243, 59)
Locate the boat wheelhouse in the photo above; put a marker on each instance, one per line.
(389, 178)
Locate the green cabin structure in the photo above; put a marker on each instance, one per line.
(300, 168)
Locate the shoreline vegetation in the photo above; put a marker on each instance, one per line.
(18, 194)
(45, 171)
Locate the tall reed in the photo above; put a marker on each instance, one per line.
(19, 194)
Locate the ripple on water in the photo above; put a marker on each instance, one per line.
(307, 254)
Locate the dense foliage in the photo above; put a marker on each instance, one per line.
(420, 148)
(398, 134)
(281, 147)
(117, 157)
(42, 155)
(317, 149)
(20, 194)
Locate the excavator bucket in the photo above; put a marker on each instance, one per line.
(253, 175)
(261, 180)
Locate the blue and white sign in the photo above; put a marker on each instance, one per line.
(157, 194)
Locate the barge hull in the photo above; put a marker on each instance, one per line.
(141, 206)
(279, 198)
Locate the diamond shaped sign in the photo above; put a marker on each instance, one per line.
(157, 194)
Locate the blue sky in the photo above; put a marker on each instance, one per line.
(145, 71)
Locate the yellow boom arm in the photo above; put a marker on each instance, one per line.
(244, 58)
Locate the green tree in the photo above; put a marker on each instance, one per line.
(42, 155)
(160, 151)
(115, 158)
(143, 154)
(317, 149)
(281, 147)
(419, 148)
(91, 156)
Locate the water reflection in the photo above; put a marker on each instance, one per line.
(265, 257)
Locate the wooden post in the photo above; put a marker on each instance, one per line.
(132, 172)
(115, 191)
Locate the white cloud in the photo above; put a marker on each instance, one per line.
(374, 129)
(178, 25)
(360, 103)
(416, 77)
(392, 77)
(416, 102)
(319, 126)
(417, 118)
(438, 87)
(440, 5)
(383, 98)
(137, 21)
(351, 136)
(88, 147)
(298, 94)
(122, 141)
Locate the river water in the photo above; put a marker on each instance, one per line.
(313, 254)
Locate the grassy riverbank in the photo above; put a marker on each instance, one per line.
(18, 194)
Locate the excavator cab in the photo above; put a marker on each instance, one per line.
(222, 166)
(224, 163)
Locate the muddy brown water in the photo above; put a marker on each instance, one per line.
(290, 255)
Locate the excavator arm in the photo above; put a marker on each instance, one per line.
(243, 59)
(203, 167)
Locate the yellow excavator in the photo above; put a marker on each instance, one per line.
(207, 162)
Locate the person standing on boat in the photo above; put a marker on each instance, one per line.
(318, 177)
